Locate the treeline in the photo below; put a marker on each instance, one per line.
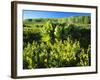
(69, 20)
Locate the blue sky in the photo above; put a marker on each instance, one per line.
(29, 14)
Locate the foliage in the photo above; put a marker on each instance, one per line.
(56, 42)
(46, 55)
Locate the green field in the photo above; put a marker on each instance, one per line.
(56, 42)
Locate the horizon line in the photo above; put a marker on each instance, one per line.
(55, 17)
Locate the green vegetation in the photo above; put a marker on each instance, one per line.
(56, 42)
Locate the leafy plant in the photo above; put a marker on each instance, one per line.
(61, 42)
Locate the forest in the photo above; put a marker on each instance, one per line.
(57, 42)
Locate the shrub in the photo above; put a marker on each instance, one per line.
(59, 54)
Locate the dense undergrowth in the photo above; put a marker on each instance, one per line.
(62, 42)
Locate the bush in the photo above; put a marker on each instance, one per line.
(56, 44)
(59, 54)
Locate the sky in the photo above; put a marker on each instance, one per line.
(30, 14)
